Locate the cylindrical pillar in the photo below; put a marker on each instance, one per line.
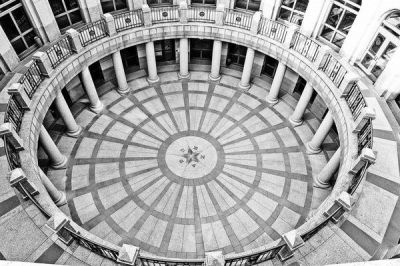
(58, 197)
(296, 119)
(151, 63)
(73, 129)
(272, 97)
(184, 59)
(323, 178)
(120, 73)
(248, 65)
(314, 146)
(58, 160)
(95, 104)
(216, 61)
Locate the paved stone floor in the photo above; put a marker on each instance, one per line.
(185, 167)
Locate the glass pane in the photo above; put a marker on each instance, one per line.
(75, 16)
(254, 5)
(327, 33)
(366, 62)
(107, 6)
(347, 21)
(169, 2)
(63, 22)
(71, 4)
(338, 39)
(152, 2)
(394, 20)
(377, 43)
(376, 71)
(334, 16)
(8, 27)
(241, 4)
(297, 18)
(120, 4)
(197, 1)
(30, 38)
(21, 19)
(210, 2)
(284, 14)
(19, 46)
(301, 5)
(57, 6)
(288, 3)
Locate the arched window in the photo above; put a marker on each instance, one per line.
(293, 10)
(339, 21)
(382, 47)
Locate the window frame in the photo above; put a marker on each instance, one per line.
(247, 6)
(203, 3)
(160, 4)
(67, 13)
(114, 5)
(292, 10)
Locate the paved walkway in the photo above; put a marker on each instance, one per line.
(181, 168)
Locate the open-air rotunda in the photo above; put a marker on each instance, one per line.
(199, 132)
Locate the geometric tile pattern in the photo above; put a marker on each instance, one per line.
(185, 167)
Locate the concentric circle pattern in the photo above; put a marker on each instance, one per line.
(185, 167)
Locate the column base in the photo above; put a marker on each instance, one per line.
(97, 108)
(294, 122)
(311, 149)
(183, 76)
(62, 200)
(272, 101)
(75, 133)
(318, 184)
(60, 165)
(123, 91)
(215, 79)
(245, 87)
(152, 81)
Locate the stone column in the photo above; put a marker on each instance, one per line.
(184, 59)
(314, 146)
(216, 61)
(7, 52)
(96, 104)
(73, 129)
(58, 160)
(244, 83)
(58, 197)
(312, 16)
(151, 63)
(120, 73)
(323, 178)
(272, 97)
(296, 118)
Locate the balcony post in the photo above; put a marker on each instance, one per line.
(367, 156)
(216, 61)
(272, 97)
(219, 14)
(128, 254)
(244, 83)
(323, 178)
(293, 241)
(184, 59)
(75, 42)
(314, 146)
(58, 160)
(366, 113)
(255, 22)
(18, 180)
(120, 73)
(296, 119)
(323, 52)
(151, 63)
(7, 130)
(147, 21)
(73, 129)
(17, 90)
(59, 198)
(110, 24)
(214, 258)
(96, 104)
(291, 30)
(43, 62)
(183, 12)
(348, 81)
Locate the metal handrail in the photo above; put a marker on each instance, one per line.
(272, 29)
(92, 32)
(59, 51)
(201, 14)
(238, 18)
(128, 19)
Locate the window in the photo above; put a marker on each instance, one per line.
(165, 50)
(293, 10)
(112, 5)
(201, 50)
(159, 2)
(66, 12)
(269, 66)
(382, 47)
(17, 27)
(236, 55)
(253, 5)
(204, 2)
(339, 21)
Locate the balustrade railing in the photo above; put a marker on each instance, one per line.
(272, 29)
(355, 100)
(31, 79)
(333, 69)
(357, 178)
(201, 14)
(145, 261)
(14, 113)
(59, 51)
(365, 136)
(92, 32)
(307, 47)
(239, 19)
(165, 14)
(129, 19)
(12, 155)
(255, 258)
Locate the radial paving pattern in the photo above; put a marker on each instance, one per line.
(181, 168)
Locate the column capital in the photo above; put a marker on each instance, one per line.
(73, 36)
(219, 14)
(128, 254)
(18, 91)
(255, 22)
(291, 30)
(147, 21)
(366, 113)
(110, 24)
(7, 130)
(43, 62)
(214, 258)
(183, 12)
